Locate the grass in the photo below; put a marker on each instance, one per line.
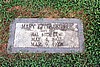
(86, 10)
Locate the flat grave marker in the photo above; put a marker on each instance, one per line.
(37, 35)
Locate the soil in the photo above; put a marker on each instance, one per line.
(20, 11)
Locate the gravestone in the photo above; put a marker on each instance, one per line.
(37, 35)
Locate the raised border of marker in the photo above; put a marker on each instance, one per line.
(12, 49)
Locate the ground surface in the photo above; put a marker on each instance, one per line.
(86, 10)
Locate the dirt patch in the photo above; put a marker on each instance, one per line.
(20, 11)
(14, 8)
(48, 13)
(4, 29)
(3, 51)
(6, 1)
(3, 47)
(78, 14)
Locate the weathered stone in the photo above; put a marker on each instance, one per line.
(61, 35)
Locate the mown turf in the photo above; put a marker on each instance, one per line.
(86, 10)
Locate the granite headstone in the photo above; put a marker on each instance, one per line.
(37, 35)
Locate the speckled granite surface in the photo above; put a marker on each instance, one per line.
(34, 35)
